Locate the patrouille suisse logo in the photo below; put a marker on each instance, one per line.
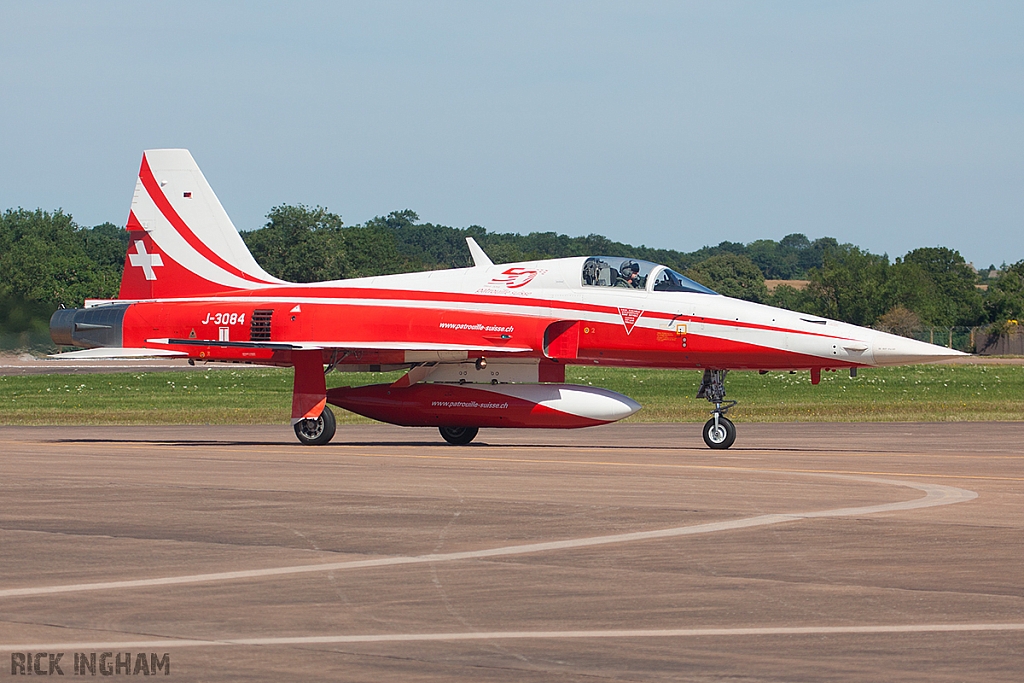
(514, 278)
(629, 317)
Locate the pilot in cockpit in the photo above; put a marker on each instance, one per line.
(629, 275)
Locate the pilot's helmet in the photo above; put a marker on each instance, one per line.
(629, 266)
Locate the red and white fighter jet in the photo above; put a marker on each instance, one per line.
(485, 346)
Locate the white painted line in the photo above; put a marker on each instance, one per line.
(520, 635)
(935, 494)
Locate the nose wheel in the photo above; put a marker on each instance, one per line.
(719, 432)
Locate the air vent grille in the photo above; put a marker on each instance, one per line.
(259, 324)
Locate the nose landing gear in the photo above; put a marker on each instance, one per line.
(719, 432)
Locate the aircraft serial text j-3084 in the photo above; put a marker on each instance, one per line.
(485, 346)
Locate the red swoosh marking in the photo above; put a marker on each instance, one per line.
(164, 205)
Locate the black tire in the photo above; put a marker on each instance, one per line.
(458, 436)
(721, 438)
(317, 432)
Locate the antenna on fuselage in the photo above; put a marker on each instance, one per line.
(480, 259)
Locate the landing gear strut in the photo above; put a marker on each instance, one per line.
(719, 432)
(316, 431)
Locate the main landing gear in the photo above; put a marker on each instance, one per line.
(316, 431)
(719, 432)
(458, 436)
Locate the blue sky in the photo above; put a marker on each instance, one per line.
(889, 125)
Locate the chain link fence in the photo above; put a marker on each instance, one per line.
(973, 340)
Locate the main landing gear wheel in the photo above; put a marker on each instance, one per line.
(719, 435)
(458, 436)
(316, 431)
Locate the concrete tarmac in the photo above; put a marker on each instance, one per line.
(27, 364)
(807, 552)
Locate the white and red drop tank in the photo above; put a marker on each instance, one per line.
(551, 406)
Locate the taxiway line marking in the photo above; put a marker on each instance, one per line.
(879, 629)
(608, 463)
(615, 463)
(656, 465)
(935, 494)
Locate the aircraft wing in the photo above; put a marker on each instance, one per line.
(363, 346)
(111, 352)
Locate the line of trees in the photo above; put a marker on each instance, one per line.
(307, 244)
(930, 286)
(47, 260)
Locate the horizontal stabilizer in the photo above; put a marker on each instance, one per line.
(117, 352)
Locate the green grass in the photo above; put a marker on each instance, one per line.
(262, 396)
(914, 393)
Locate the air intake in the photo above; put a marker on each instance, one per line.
(259, 325)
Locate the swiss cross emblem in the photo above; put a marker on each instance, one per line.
(629, 317)
(144, 260)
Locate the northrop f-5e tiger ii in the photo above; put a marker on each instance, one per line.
(485, 346)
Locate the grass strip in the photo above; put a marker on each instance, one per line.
(925, 393)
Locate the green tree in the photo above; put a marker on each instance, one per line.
(731, 275)
(18, 314)
(791, 298)
(422, 246)
(107, 245)
(300, 244)
(772, 259)
(43, 259)
(942, 290)
(1005, 300)
(370, 251)
(849, 286)
(814, 255)
(899, 320)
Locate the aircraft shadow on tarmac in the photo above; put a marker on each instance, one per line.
(416, 444)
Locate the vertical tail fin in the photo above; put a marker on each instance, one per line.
(181, 241)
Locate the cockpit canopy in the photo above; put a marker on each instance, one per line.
(611, 271)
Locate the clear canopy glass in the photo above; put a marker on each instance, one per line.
(611, 271)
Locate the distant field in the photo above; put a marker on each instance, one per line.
(263, 396)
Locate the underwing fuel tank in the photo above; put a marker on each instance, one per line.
(551, 406)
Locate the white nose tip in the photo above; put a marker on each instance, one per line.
(890, 349)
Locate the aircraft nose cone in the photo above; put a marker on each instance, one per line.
(891, 349)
